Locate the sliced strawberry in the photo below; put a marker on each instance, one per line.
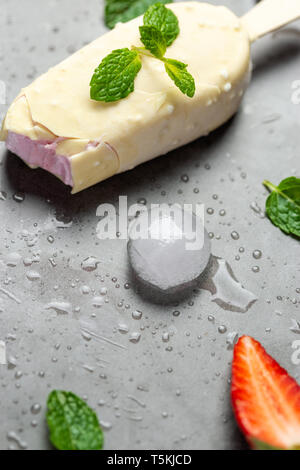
(265, 399)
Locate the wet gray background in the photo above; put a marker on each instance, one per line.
(151, 394)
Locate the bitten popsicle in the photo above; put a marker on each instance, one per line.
(54, 124)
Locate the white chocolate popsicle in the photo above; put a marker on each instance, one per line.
(53, 123)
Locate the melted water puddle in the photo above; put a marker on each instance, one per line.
(226, 290)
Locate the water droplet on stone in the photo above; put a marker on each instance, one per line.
(36, 408)
(33, 275)
(235, 235)
(90, 264)
(137, 315)
(123, 328)
(222, 329)
(232, 339)
(97, 302)
(257, 254)
(165, 337)
(135, 337)
(19, 197)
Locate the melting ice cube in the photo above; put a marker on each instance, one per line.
(168, 249)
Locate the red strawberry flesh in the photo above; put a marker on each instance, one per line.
(265, 399)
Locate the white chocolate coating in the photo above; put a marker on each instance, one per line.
(102, 139)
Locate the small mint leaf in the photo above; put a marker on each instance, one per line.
(283, 205)
(177, 71)
(114, 78)
(124, 10)
(164, 20)
(73, 425)
(153, 40)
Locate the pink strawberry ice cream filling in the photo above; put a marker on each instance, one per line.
(41, 153)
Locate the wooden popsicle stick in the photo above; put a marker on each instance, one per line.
(269, 15)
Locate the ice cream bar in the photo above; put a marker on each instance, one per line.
(53, 123)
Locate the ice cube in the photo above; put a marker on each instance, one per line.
(168, 249)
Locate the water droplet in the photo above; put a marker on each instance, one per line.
(222, 212)
(11, 362)
(235, 235)
(19, 197)
(13, 259)
(50, 239)
(295, 328)
(225, 289)
(176, 313)
(137, 315)
(165, 337)
(105, 425)
(90, 264)
(97, 302)
(33, 275)
(222, 329)
(257, 254)
(61, 308)
(36, 408)
(123, 328)
(210, 210)
(255, 269)
(135, 337)
(232, 339)
(142, 201)
(185, 178)
(255, 207)
(12, 436)
(85, 290)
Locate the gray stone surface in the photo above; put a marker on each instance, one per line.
(150, 393)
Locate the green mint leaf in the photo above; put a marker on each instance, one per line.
(114, 78)
(181, 77)
(124, 10)
(283, 205)
(72, 423)
(164, 20)
(153, 40)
